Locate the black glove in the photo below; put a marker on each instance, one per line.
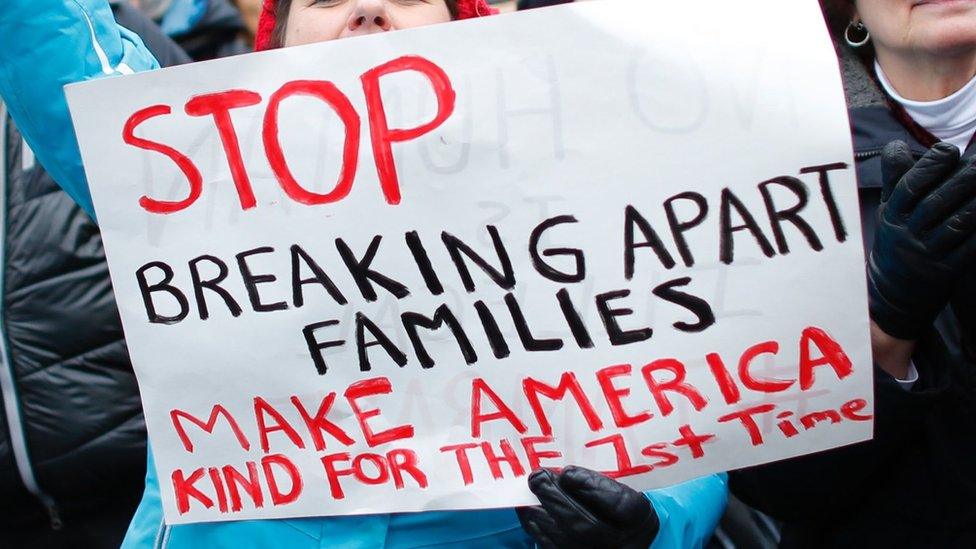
(583, 509)
(924, 241)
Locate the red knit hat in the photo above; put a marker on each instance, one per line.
(466, 10)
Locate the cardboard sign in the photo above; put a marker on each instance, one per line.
(399, 272)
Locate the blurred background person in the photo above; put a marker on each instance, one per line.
(205, 29)
(909, 71)
(250, 13)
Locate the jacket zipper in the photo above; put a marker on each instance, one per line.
(162, 535)
(864, 155)
(8, 387)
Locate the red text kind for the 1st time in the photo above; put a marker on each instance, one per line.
(230, 488)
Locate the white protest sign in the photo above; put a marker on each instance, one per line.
(399, 272)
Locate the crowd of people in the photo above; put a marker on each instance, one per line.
(73, 448)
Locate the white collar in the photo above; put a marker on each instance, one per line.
(951, 119)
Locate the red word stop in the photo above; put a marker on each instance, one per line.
(219, 105)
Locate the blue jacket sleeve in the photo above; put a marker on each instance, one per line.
(689, 512)
(50, 43)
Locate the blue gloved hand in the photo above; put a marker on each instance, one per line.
(581, 508)
(925, 239)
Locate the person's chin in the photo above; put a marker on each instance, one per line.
(954, 43)
(946, 35)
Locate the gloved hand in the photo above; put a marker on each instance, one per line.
(584, 509)
(924, 241)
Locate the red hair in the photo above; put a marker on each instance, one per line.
(466, 9)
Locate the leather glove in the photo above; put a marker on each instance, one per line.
(924, 240)
(584, 509)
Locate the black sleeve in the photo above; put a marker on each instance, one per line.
(815, 485)
(163, 48)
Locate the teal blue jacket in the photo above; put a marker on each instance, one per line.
(50, 43)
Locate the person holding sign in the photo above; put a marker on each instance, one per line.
(52, 43)
(910, 74)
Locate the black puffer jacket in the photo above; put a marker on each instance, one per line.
(72, 438)
(914, 485)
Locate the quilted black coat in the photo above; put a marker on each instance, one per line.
(72, 436)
